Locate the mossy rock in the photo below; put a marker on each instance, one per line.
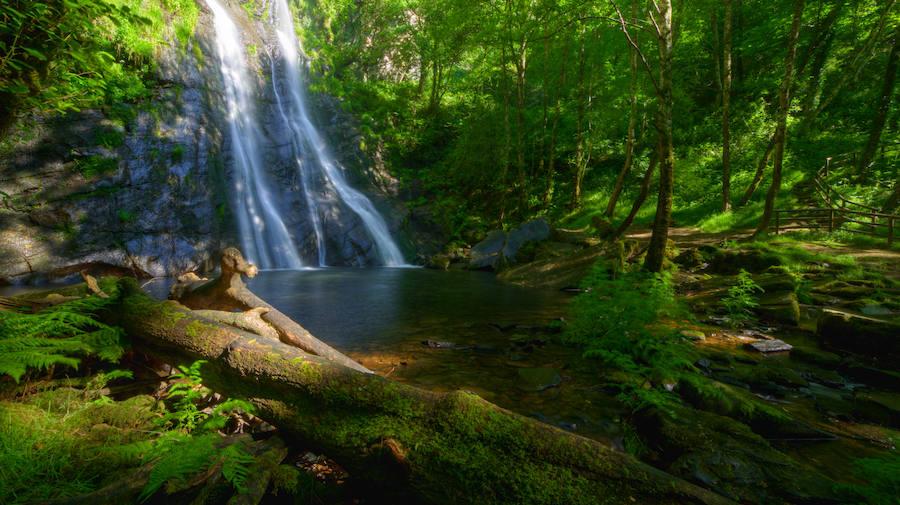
(860, 334)
(779, 308)
(878, 406)
(847, 291)
(727, 457)
(732, 261)
(690, 258)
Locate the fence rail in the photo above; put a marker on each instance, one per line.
(839, 209)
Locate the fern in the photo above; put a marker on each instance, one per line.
(59, 335)
(182, 456)
(742, 299)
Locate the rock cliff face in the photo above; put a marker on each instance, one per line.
(148, 190)
(136, 189)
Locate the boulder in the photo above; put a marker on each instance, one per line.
(486, 253)
(499, 248)
(857, 333)
(532, 231)
(779, 308)
(732, 261)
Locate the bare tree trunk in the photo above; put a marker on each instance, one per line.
(784, 101)
(642, 195)
(632, 123)
(580, 152)
(716, 51)
(726, 104)
(656, 251)
(881, 109)
(545, 121)
(760, 171)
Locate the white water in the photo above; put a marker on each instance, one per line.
(307, 140)
(264, 237)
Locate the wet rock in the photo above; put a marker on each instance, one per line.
(538, 379)
(437, 344)
(499, 248)
(767, 346)
(856, 333)
(438, 262)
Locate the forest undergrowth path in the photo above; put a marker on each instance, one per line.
(686, 237)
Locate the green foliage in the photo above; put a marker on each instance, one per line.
(125, 216)
(742, 298)
(60, 335)
(96, 165)
(882, 476)
(68, 55)
(190, 446)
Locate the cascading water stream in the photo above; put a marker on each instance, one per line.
(307, 140)
(263, 234)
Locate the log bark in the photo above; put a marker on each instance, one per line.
(229, 293)
(397, 441)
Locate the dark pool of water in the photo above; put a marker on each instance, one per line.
(366, 309)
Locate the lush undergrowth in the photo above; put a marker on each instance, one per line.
(71, 423)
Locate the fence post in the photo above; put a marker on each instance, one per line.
(777, 221)
(827, 165)
(830, 220)
(890, 231)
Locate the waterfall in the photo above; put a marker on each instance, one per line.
(311, 153)
(263, 234)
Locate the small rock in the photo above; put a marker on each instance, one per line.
(767, 346)
(695, 335)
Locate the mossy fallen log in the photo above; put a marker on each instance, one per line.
(228, 293)
(397, 441)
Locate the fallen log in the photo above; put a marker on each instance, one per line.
(228, 293)
(397, 441)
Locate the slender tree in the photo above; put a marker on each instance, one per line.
(661, 17)
(632, 121)
(726, 104)
(784, 106)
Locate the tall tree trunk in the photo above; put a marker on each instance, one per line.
(580, 151)
(545, 121)
(881, 109)
(760, 171)
(632, 123)
(716, 51)
(554, 128)
(656, 251)
(521, 65)
(784, 101)
(642, 195)
(817, 53)
(726, 104)
(504, 162)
